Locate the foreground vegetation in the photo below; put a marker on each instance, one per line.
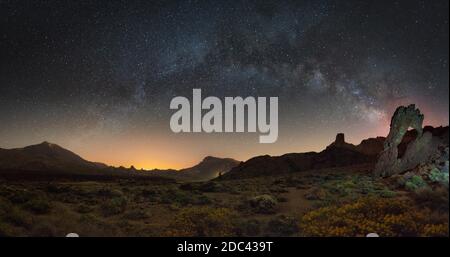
(326, 203)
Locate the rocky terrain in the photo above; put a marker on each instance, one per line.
(393, 186)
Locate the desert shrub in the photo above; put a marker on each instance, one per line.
(344, 188)
(438, 176)
(136, 215)
(202, 200)
(263, 204)
(203, 221)
(38, 206)
(316, 194)
(13, 215)
(414, 183)
(212, 186)
(188, 186)
(83, 208)
(435, 199)
(250, 227)
(114, 206)
(291, 181)
(278, 189)
(91, 225)
(149, 192)
(350, 187)
(282, 226)
(386, 217)
(44, 229)
(109, 192)
(55, 189)
(176, 196)
(4, 230)
(435, 230)
(386, 193)
(21, 196)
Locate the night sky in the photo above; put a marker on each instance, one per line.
(97, 77)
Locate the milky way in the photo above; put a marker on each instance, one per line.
(98, 77)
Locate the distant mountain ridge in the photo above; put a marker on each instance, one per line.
(210, 167)
(51, 159)
(45, 156)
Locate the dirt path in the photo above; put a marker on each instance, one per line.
(296, 203)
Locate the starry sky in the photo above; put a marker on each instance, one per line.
(97, 77)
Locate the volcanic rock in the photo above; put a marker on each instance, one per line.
(404, 151)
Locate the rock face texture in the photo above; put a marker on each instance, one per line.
(421, 147)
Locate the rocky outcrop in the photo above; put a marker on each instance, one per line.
(339, 142)
(337, 154)
(402, 153)
(371, 146)
(340, 139)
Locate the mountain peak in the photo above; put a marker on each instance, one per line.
(48, 144)
(45, 146)
(210, 158)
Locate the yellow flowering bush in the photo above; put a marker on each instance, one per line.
(386, 217)
(203, 221)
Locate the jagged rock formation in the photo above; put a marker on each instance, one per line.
(398, 157)
(337, 154)
(340, 139)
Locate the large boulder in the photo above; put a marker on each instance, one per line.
(419, 149)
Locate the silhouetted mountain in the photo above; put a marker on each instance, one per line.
(47, 161)
(210, 167)
(45, 156)
(337, 154)
(51, 160)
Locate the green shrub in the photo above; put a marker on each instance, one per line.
(386, 193)
(263, 204)
(38, 206)
(438, 176)
(176, 196)
(316, 194)
(282, 226)
(13, 215)
(21, 196)
(414, 183)
(251, 227)
(114, 206)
